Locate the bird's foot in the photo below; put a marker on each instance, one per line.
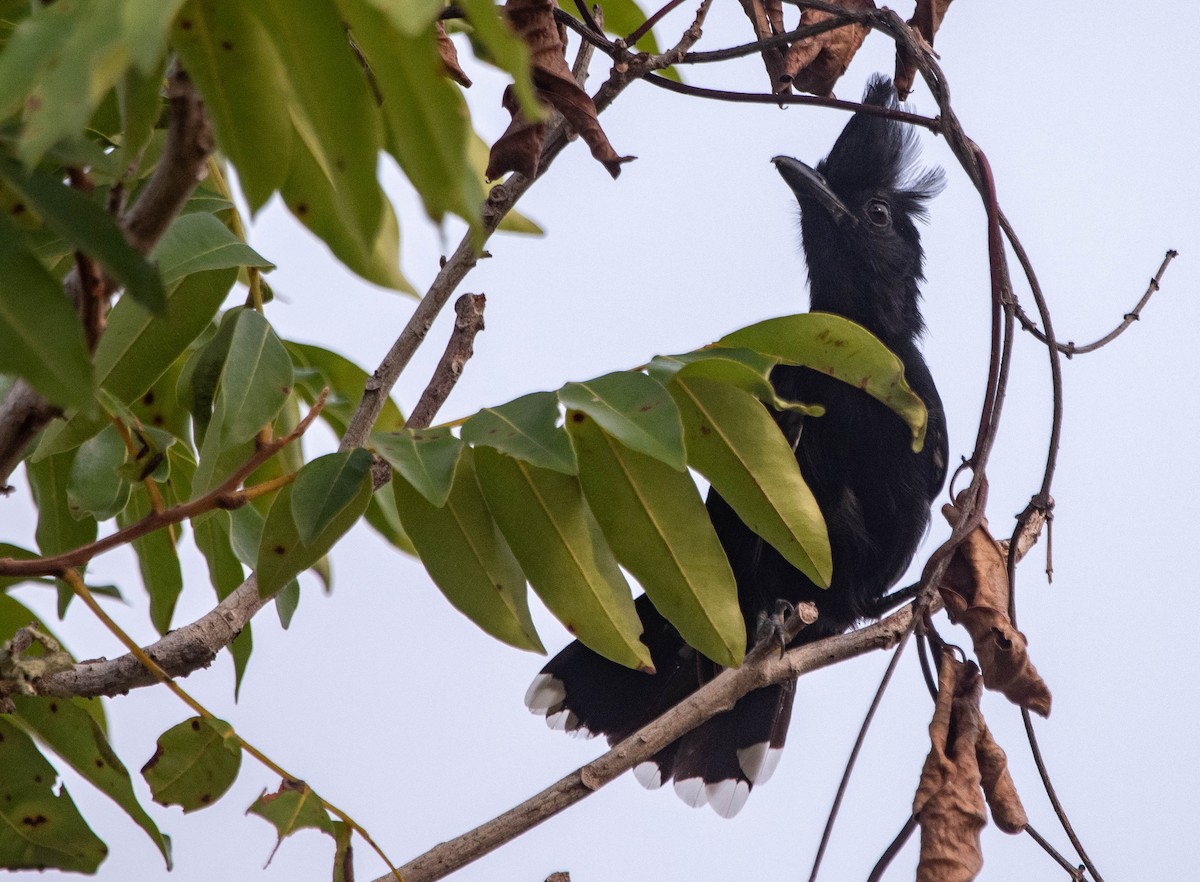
(772, 626)
(889, 602)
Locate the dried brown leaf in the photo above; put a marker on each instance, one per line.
(449, 55)
(766, 18)
(926, 20)
(975, 592)
(949, 802)
(814, 64)
(998, 787)
(519, 148)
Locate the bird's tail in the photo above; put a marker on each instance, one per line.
(716, 764)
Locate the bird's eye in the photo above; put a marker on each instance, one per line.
(878, 213)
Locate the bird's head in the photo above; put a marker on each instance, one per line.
(858, 213)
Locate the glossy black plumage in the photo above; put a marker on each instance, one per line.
(858, 212)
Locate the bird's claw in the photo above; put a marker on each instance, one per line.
(773, 626)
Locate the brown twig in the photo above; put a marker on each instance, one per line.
(468, 323)
(889, 853)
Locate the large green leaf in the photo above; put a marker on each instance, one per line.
(426, 458)
(63, 59)
(40, 828)
(840, 348)
(73, 733)
(138, 347)
(194, 764)
(735, 444)
(282, 554)
(57, 530)
(633, 408)
(41, 338)
(526, 429)
(324, 487)
(89, 228)
(657, 526)
(197, 242)
(97, 487)
(425, 113)
(560, 547)
(255, 380)
(467, 558)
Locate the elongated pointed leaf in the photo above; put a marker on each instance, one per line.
(57, 530)
(467, 557)
(198, 242)
(317, 367)
(840, 348)
(282, 555)
(659, 530)
(324, 487)
(137, 348)
(733, 442)
(212, 535)
(97, 487)
(73, 734)
(526, 429)
(560, 547)
(194, 764)
(91, 229)
(426, 458)
(158, 560)
(41, 338)
(635, 409)
(744, 368)
(40, 827)
(255, 380)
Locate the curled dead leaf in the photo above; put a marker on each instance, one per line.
(519, 148)
(926, 20)
(998, 787)
(449, 54)
(975, 592)
(949, 802)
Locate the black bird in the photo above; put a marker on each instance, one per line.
(858, 209)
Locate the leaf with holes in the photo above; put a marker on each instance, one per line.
(194, 764)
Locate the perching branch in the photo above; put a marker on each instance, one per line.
(468, 323)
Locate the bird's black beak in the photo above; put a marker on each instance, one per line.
(810, 185)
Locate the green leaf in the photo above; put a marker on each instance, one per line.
(659, 530)
(15, 552)
(424, 111)
(61, 62)
(324, 487)
(91, 229)
(73, 734)
(505, 48)
(41, 338)
(383, 517)
(733, 441)
(139, 97)
(743, 368)
(137, 348)
(525, 429)
(198, 242)
(96, 486)
(838, 347)
(158, 560)
(212, 535)
(558, 544)
(291, 808)
(425, 457)
(39, 828)
(255, 380)
(194, 764)
(287, 601)
(282, 555)
(346, 382)
(411, 17)
(634, 409)
(57, 531)
(467, 557)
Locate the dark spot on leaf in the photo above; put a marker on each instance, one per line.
(570, 629)
(37, 779)
(339, 163)
(577, 417)
(148, 398)
(195, 725)
(33, 820)
(205, 798)
(159, 419)
(286, 390)
(705, 430)
(33, 103)
(279, 549)
(301, 208)
(54, 707)
(99, 764)
(227, 44)
(499, 587)
(185, 24)
(17, 208)
(646, 407)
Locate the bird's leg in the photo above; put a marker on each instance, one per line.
(889, 602)
(772, 625)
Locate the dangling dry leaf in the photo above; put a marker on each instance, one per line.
(814, 64)
(766, 17)
(449, 55)
(925, 21)
(519, 148)
(949, 802)
(998, 787)
(975, 592)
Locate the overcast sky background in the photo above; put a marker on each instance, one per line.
(397, 709)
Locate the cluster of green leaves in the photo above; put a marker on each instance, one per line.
(564, 489)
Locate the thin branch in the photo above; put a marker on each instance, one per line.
(757, 46)
(858, 743)
(468, 323)
(1071, 349)
(889, 853)
(650, 22)
(1076, 872)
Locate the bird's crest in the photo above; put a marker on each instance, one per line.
(875, 153)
